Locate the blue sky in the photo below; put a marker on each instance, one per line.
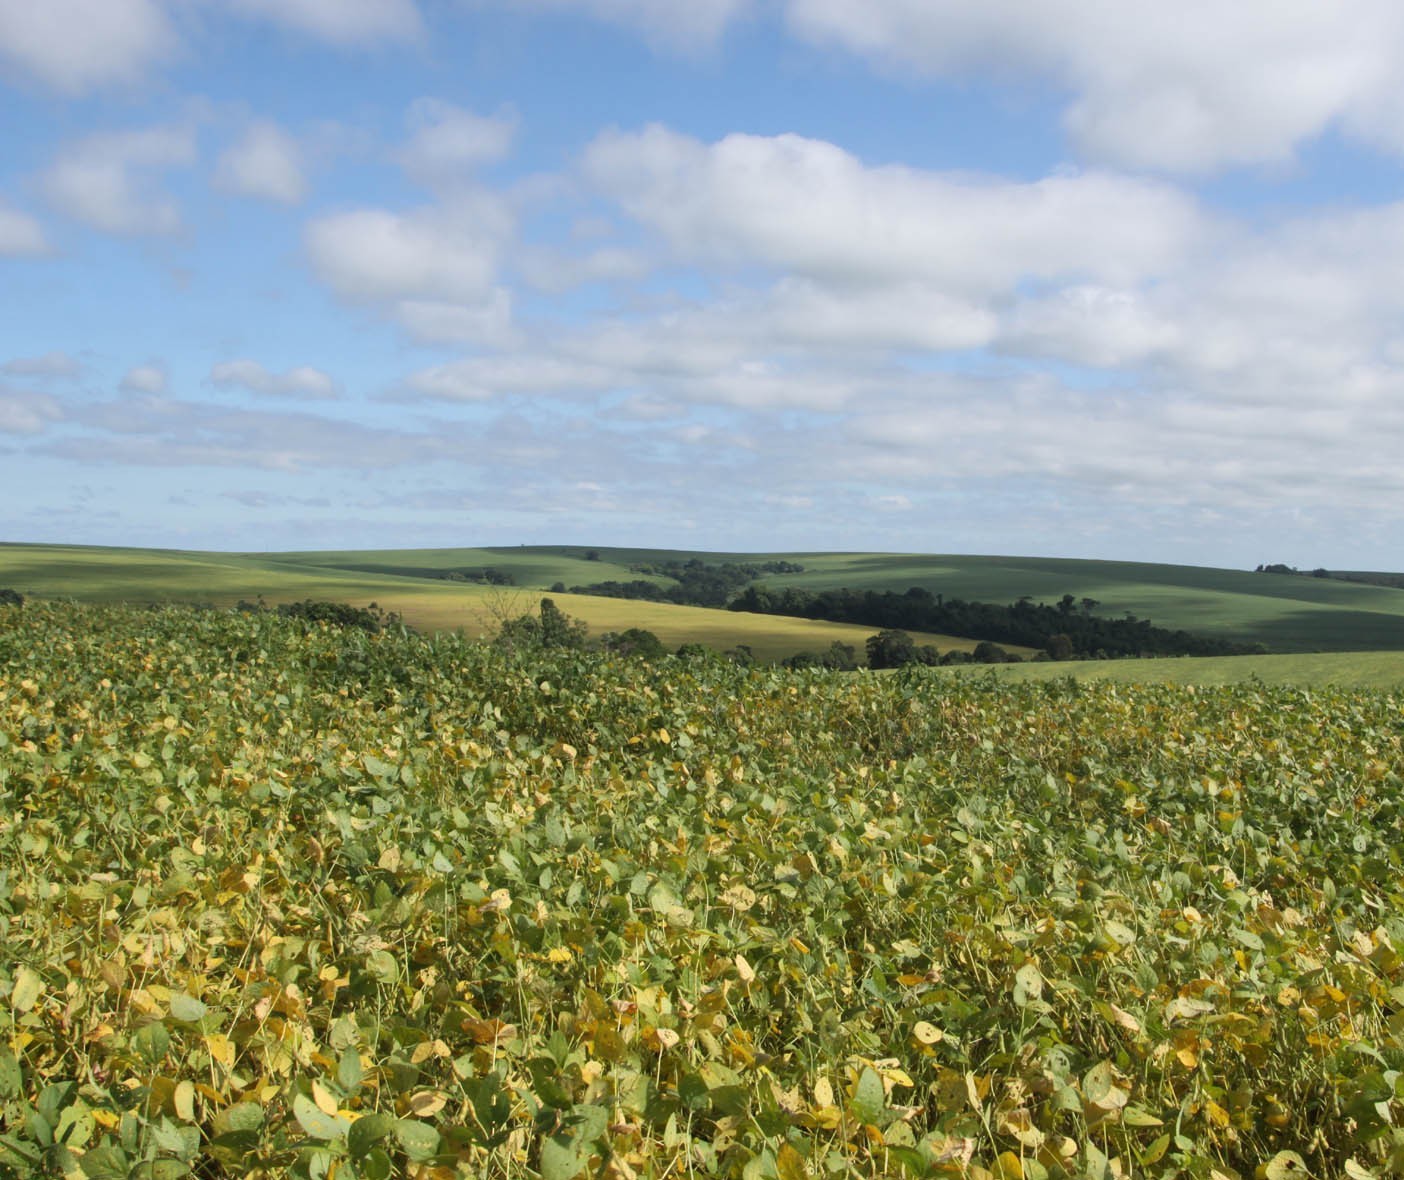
(1101, 278)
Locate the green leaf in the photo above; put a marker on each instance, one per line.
(349, 1071)
(869, 1099)
(376, 1165)
(11, 1077)
(153, 1042)
(383, 966)
(367, 1131)
(316, 1122)
(419, 1140)
(108, 1162)
(75, 1125)
(29, 986)
(242, 1116)
(186, 1008)
(564, 1157)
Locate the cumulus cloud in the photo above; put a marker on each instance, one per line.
(265, 163)
(109, 180)
(434, 269)
(809, 207)
(50, 364)
(446, 142)
(150, 379)
(1191, 86)
(340, 22)
(302, 381)
(75, 46)
(21, 235)
(432, 252)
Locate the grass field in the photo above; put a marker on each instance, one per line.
(1356, 669)
(1287, 614)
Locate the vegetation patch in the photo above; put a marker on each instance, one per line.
(280, 898)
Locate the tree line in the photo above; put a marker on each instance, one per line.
(694, 582)
(1065, 630)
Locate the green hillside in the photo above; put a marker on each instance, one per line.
(1285, 613)
(100, 575)
(1347, 670)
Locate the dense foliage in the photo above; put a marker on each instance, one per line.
(1061, 630)
(282, 898)
(691, 583)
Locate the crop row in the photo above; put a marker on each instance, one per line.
(280, 899)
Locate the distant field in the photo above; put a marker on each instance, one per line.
(1287, 614)
(151, 575)
(1358, 669)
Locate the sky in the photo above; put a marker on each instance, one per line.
(1086, 278)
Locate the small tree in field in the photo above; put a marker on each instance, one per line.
(890, 649)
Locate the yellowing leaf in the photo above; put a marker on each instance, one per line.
(927, 1033)
(1285, 1165)
(426, 1103)
(1216, 1114)
(29, 986)
(221, 1049)
(325, 1100)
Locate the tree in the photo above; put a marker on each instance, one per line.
(840, 657)
(10, 597)
(551, 627)
(890, 649)
(558, 629)
(634, 642)
(1060, 647)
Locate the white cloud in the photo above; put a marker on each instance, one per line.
(51, 364)
(26, 413)
(301, 382)
(679, 26)
(808, 207)
(1098, 327)
(150, 432)
(486, 321)
(482, 378)
(266, 163)
(150, 379)
(1194, 85)
(108, 180)
(75, 46)
(447, 141)
(428, 253)
(433, 269)
(340, 22)
(552, 270)
(21, 235)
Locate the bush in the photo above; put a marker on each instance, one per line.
(550, 627)
(634, 642)
(10, 597)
